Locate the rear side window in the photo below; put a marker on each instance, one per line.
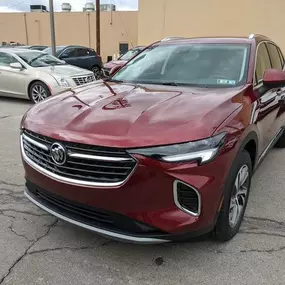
(82, 52)
(262, 63)
(274, 56)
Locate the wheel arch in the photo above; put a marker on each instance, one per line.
(250, 144)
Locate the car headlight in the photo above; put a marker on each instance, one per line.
(202, 151)
(61, 81)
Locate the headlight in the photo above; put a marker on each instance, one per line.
(61, 81)
(202, 151)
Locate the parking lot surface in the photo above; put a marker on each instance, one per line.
(36, 248)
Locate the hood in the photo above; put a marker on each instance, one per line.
(113, 63)
(65, 70)
(125, 115)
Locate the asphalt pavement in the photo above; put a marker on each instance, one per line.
(36, 248)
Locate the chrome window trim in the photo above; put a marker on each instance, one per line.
(70, 180)
(114, 235)
(176, 201)
(256, 86)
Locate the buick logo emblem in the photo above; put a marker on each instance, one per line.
(58, 153)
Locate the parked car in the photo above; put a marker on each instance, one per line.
(83, 57)
(122, 60)
(36, 75)
(166, 148)
(40, 48)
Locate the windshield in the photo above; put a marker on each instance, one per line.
(57, 50)
(130, 54)
(39, 59)
(210, 65)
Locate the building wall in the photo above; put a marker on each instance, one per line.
(162, 18)
(77, 28)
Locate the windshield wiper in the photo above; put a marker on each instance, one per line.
(113, 80)
(170, 83)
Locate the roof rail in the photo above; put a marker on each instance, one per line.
(172, 38)
(251, 36)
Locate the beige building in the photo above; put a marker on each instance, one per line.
(78, 28)
(162, 18)
(155, 20)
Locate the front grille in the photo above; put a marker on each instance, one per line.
(83, 79)
(84, 164)
(187, 198)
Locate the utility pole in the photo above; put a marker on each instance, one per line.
(98, 33)
(52, 30)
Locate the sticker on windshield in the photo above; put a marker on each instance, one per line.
(225, 81)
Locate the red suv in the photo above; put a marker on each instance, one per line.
(165, 149)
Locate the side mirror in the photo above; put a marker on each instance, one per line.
(274, 78)
(16, 65)
(115, 69)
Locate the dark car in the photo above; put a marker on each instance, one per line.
(121, 61)
(83, 57)
(166, 148)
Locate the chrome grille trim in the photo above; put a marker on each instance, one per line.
(96, 157)
(80, 80)
(176, 200)
(39, 158)
(40, 145)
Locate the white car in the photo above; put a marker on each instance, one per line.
(36, 75)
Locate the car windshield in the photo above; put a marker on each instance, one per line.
(130, 54)
(57, 50)
(39, 59)
(204, 65)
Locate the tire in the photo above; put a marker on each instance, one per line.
(38, 91)
(231, 215)
(281, 141)
(97, 72)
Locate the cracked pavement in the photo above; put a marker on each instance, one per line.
(36, 248)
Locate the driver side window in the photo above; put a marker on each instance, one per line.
(262, 63)
(71, 52)
(6, 59)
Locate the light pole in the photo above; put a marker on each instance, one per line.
(52, 30)
(98, 34)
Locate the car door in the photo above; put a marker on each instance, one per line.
(69, 55)
(84, 58)
(277, 60)
(268, 101)
(12, 81)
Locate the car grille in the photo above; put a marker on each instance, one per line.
(84, 164)
(187, 198)
(83, 79)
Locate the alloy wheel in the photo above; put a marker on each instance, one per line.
(239, 196)
(97, 73)
(39, 93)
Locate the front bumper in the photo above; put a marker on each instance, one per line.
(145, 203)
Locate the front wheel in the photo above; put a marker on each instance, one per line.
(38, 91)
(235, 198)
(97, 72)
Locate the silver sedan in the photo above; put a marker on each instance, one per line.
(36, 75)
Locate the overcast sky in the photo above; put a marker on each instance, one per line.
(77, 5)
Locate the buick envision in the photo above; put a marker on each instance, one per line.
(166, 148)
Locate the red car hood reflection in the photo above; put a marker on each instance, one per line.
(111, 64)
(125, 115)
